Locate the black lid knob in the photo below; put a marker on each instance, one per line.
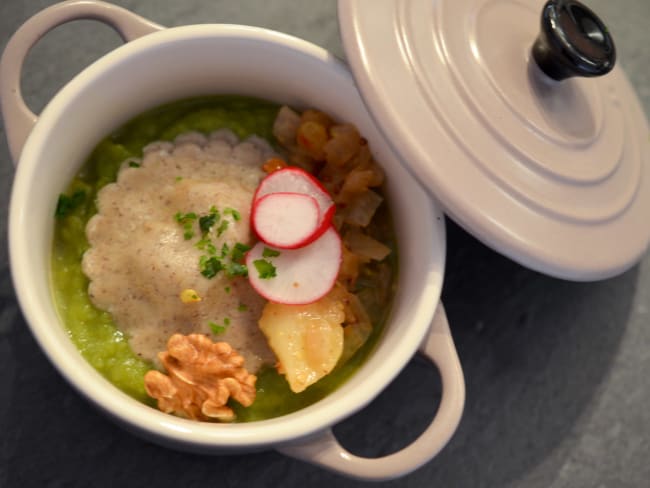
(573, 41)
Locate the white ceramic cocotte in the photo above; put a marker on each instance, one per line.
(158, 65)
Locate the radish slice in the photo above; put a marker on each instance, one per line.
(296, 180)
(302, 275)
(285, 220)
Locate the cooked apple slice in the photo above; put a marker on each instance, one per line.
(306, 339)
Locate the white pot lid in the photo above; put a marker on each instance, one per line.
(553, 174)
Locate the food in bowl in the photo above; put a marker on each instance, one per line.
(152, 269)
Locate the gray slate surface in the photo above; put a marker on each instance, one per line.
(557, 372)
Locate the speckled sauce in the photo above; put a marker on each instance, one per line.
(139, 261)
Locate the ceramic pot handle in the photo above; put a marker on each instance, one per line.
(18, 118)
(572, 41)
(324, 450)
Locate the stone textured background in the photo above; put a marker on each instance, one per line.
(557, 372)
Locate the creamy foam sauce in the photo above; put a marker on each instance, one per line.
(139, 260)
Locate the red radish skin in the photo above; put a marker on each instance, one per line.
(303, 275)
(297, 180)
(286, 220)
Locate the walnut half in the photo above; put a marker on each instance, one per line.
(201, 376)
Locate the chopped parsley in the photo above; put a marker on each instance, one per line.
(216, 328)
(182, 218)
(270, 253)
(227, 259)
(207, 221)
(223, 226)
(67, 204)
(242, 307)
(231, 211)
(224, 250)
(209, 267)
(236, 269)
(187, 221)
(265, 269)
(133, 164)
(239, 251)
(203, 243)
